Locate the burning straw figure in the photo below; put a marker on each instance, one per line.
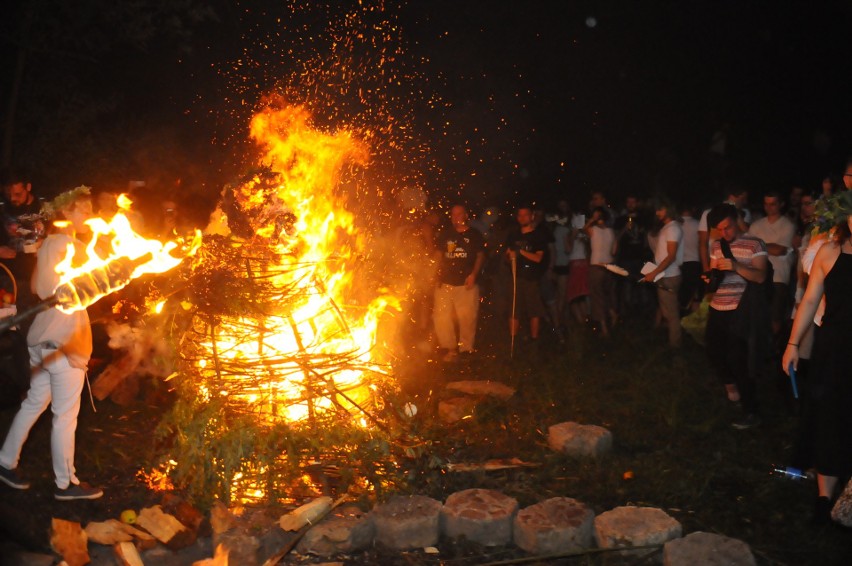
(60, 345)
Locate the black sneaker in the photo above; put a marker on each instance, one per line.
(82, 491)
(747, 422)
(12, 479)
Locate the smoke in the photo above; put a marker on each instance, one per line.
(144, 349)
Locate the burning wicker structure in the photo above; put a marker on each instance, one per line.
(277, 374)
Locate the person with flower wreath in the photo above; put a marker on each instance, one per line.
(830, 280)
(60, 345)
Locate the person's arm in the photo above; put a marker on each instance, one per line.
(704, 250)
(436, 273)
(534, 257)
(671, 256)
(776, 249)
(470, 280)
(7, 253)
(756, 273)
(587, 228)
(808, 306)
(801, 284)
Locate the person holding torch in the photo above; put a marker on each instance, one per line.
(60, 345)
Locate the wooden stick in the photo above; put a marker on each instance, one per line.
(276, 558)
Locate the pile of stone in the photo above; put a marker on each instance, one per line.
(559, 525)
(176, 534)
(555, 526)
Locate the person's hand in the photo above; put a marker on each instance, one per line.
(724, 264)
(649, 278)
(791, 356)
(512, 254)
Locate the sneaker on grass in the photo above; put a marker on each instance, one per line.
(12, 479)
(82, 491)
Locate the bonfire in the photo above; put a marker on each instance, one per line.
(280, 369)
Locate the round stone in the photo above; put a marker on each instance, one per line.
(406, 522)
(480, 515)
(555, 525)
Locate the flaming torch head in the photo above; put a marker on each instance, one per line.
(116, 253)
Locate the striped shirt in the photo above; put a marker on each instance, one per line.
(745, 248)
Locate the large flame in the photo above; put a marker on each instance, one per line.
(115, 255)
(312, 354)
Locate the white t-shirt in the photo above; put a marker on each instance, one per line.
(690, 239)
(780, 232)
(671, 232)
(601, 244)
(578, 250)
(71, 333)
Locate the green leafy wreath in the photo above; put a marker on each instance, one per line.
(831, 211)
(66, 199)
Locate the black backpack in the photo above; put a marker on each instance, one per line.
(767, 287)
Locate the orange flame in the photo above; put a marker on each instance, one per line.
(130, 256)
(317, 262)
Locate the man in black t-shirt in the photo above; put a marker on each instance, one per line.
(460, 254)
(527, 246)
(25, 225)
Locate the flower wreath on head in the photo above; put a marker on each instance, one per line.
(66, 199)
(831, 211)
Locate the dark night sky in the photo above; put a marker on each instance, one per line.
(537, 100)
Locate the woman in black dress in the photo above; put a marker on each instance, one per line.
(831, 276)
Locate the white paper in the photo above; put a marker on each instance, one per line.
(648, 268)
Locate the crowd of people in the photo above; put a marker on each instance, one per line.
(748, 270)
(773, 283)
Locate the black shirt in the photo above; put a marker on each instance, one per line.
(532, 242)
(458, 254)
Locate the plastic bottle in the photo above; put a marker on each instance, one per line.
(791, 473)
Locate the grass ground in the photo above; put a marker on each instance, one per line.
(673, 446)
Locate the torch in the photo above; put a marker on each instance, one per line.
(83, 290)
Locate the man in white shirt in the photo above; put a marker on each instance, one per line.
(668, 255)
(777, 232)
(690, 269)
